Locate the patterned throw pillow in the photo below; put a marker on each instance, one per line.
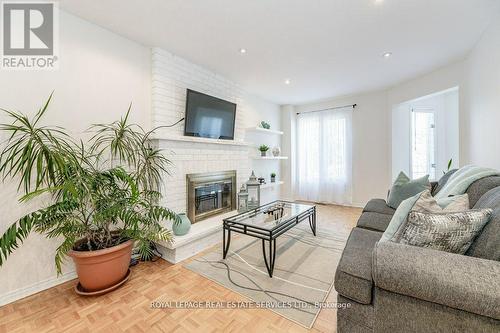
(423, 202)
(450, 232)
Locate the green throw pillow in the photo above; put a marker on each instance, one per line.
(404, 188)
(399, 217)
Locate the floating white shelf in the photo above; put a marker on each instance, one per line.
(270, 157)
(269, 185)
(201, 140)
(263, 130)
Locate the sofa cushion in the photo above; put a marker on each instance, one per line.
(400, 313)
(352, 313)
(378, 206)
(477, 189)
(451, 232)
(403, 188)
(442, 181)
(374, 221)
(353, 278)
(354, 287)
(487, 244)
(399, 217)
(450, 279)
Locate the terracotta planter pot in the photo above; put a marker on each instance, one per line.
(101, 269)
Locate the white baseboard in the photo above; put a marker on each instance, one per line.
(358, 205)
(36, 287)
(353, 204)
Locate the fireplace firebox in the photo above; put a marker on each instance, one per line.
(210, 194)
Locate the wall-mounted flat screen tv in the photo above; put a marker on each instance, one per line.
(209, 117)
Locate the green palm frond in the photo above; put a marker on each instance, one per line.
(33, 152)
(144, 249)
(62, 252)
(15, 235)
(121, 139)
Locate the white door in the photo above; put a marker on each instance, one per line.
(423, 143)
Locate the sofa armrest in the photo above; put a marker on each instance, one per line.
(454, 280)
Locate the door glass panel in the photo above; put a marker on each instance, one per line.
(423, 144)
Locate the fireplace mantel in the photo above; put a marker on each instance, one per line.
(199, 140)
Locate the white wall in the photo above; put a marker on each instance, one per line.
(172, 75)
(400, 139)
(370, 137)
(442, 79)
(478, 79)
(482, 101)
(451, 138)
(445, 106)
(257, 111)
(288, 125)
(372, 129)
(99, 74)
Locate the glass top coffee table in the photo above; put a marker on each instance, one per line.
(268, 222)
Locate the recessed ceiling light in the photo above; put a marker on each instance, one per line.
(243, 50)
(287, 81)
(387, 54)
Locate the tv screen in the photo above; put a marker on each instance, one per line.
(209, 117)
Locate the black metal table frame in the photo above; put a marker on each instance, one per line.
(269, 235)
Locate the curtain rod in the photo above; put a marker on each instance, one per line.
(336, 107)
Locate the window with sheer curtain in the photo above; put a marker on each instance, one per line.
(323, 164)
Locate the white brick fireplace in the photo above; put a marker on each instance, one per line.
(171, 76)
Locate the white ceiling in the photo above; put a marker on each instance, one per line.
(326, 48)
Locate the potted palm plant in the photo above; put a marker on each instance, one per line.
(104, 194)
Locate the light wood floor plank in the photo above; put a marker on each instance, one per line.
(128, 309)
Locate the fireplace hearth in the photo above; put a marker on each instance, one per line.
(210, 194)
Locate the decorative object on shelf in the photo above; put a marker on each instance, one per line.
(265, 125)
(180, 229)
(242, 199)
(276, 151)
(261, 180)
(273, 177)
(253, 188)
(263, 150)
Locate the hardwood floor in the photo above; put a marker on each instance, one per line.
(128, 309)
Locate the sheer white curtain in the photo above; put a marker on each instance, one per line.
(324, 162)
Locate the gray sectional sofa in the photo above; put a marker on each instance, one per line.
(400, 288)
